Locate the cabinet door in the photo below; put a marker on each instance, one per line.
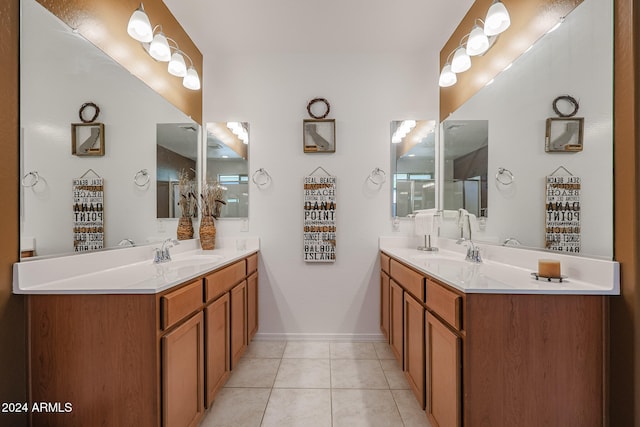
(238, 322)
(396, 320)
(443, 362)
(218, 341)
(414, 346)
(183, 373)
(252, 305)
(384, 305)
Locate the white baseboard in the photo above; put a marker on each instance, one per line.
(260, 336)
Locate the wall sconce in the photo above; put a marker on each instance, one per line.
(139, 26)
(402, 131)
(479, 41)
(158, 47)
(497, 19)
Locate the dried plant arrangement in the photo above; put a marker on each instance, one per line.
(188, 200)
(211, 199)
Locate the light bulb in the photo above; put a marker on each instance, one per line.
(191, 80)
(177, 66)
(159, 48)
(478, 42)
(447, 77)
(461, 61)
(497, 20)
(139, 26)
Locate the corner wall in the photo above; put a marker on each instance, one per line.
(366, 92)
(13, 372)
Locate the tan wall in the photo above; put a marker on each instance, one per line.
(13, 372)
(625, 319)
(530, 19)
(104, 23)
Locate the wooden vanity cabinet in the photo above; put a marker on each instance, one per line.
(499, 359)
(396, 319)
(183, 373)
(239, 342)
(414, 351)
(252, 296)
(443, 361)
(385, 289)
(144, 360)
(218, 345)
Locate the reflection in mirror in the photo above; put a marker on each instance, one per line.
(517, 105)
(465, 146)
(56, 79)
(413, 166)
(228, 163)
(177, 150)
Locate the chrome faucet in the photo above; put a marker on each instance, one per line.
(473, 252)
(162, 254)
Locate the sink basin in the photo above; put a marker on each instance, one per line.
(194, 260)
(431, 258)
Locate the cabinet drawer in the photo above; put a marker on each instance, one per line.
(221, 281)
(445, 303)
(410, 280)
(252, 263)
(180, 303)
(384, 262)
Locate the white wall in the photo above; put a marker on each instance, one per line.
(59, 72)
(366, 93)
(576, 59)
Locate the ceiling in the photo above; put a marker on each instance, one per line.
(330, 26)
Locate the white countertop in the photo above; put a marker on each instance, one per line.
(126, 270)
(505, 270)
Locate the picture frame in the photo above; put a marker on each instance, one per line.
(319, 136)
(564, 134)
(87, 139)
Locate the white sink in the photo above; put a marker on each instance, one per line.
(193, 260)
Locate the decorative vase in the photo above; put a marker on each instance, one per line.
(185, 228)
(207, 233)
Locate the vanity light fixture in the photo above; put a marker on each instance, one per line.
(447, 77)
(177, 67)
(461, 61)
(402, 131)
(158, 47)
(139, 26)
(478, 42)
(497, 19)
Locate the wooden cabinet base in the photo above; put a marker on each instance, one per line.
(183, 374)
(77, 358)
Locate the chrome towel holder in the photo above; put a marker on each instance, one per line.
(505, 176)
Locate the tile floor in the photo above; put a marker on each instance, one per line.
(307, 384)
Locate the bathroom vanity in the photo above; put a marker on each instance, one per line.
(129, 349)
(486, 344)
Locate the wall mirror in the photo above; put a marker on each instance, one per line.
(575, 59)
(413, 166)
(464, 172)
(177, 153)
(60, 71)
(227, 154)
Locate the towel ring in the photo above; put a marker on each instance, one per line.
(142, 178)
(505, 176)
(377, 176)
(35, 178)
(261, 177)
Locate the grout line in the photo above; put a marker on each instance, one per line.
(270, 392)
